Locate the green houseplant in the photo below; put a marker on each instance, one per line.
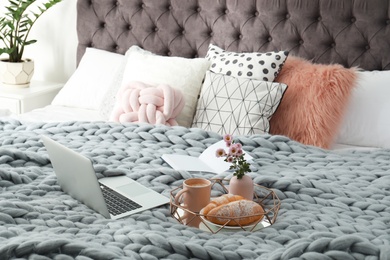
(15, 27)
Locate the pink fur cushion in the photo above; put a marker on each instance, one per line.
(142, 103)
(313, 104)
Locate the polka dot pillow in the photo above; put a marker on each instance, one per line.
(254, 65)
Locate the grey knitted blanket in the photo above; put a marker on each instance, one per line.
(334, 205)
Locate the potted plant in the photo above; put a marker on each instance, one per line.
(240, 184)
(15, 27)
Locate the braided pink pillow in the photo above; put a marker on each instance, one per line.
(142, 103)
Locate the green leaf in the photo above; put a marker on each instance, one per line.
(30, 42)
(16, 23)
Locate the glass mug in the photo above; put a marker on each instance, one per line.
(195, 195)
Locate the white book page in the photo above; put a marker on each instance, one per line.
(186, 163)
(216, 163)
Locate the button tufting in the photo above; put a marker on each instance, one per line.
(319, 18)
(116, 47)
(388, 22)
(226, 11)
(198, 9)
(117, 3)
(155, 29)
(240, 36)
(287, 16)
(300, 42)
(367, 47)
(183, 32)
(129, 27)
(169, 53)
(169, 7)
(269, 38)
(256, 13)
(333, 45)
(142, 6)
(211, 34)
(353, 19)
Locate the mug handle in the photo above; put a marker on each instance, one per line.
(179, 194)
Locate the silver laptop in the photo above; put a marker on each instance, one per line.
(113, 197)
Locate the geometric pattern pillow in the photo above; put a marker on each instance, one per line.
(254, 65)
(240, 106)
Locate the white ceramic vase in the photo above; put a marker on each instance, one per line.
(16, 74)
(243, 187)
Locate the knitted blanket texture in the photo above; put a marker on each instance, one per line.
(334, 205)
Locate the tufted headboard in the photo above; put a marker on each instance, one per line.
(348, 32)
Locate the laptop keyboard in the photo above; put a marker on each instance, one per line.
(116, 202)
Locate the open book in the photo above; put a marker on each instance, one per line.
(206, 162)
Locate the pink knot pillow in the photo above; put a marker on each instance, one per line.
(142, 103)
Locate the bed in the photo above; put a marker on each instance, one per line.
(335, 203)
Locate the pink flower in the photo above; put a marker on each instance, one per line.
(233, 149)
(239, 152)
(229, 159)
(228, 139)
(220, 152)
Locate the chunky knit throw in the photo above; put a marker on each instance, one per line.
(333, 205)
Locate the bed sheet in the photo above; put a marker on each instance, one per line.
(348, 148)
(53, 113)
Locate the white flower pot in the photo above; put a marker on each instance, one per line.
(16, 74)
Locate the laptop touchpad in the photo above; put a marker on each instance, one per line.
(133, 189)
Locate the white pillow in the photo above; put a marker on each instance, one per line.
(237, 106)
(367, 119)
(87, 86)
(180, 73)
(109, 100)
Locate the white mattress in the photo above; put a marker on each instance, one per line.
(53, 113)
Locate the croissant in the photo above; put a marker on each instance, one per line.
(235, 208)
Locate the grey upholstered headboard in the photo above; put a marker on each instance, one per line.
(349, 32)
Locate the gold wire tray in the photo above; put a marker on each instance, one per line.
(265, 197)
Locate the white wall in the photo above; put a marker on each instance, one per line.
(54, 53)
